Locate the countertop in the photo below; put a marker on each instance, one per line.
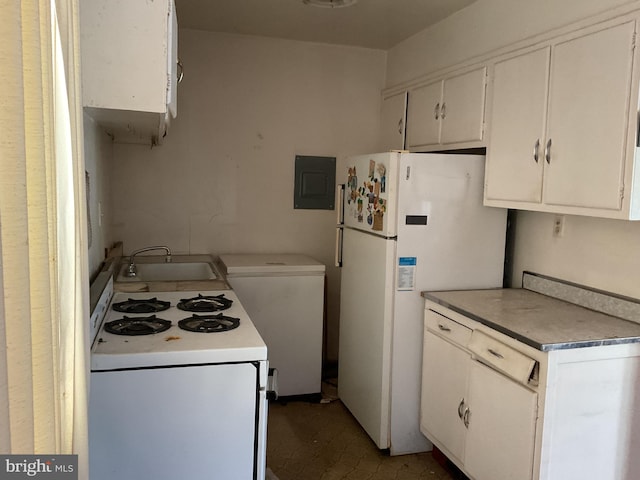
(540, 321)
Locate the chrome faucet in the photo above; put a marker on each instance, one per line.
(132, 271)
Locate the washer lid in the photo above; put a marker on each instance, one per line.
(270, 263)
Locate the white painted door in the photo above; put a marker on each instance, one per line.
(445, 369)
(588, 117)
(462, 109)
(515, 159)
(423, 115)
(393, 122)
(366, 322)
(501, 426)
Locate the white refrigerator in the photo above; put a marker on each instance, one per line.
(409, 222)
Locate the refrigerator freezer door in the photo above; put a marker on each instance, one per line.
(458, 242)
(365, 331)
(370, 198)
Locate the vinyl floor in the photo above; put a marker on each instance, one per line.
(322, 441)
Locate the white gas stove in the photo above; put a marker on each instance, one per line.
(176, 346)
(177, 393)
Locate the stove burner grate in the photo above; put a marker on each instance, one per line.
(137, 325)
(209, 323)
(202, 303)
(146, 305)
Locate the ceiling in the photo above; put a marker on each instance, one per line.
(379, 24)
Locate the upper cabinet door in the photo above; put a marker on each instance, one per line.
(448, 111)
(423, 115)
(129, 54)
(515, 162)
(584, 86)
(589, 101)
(393, 122)
(462, 109)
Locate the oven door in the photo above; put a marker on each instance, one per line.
(261, 423)
(199, 421)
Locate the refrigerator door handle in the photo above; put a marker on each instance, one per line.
(340, 204)
(339, 233)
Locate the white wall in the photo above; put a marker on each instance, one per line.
(98, 153)
(599, 253)
(482, 27)
(223, 180)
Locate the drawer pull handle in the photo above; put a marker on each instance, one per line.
(443, 328)
(465, 417)
(494, 353)
(460, 409)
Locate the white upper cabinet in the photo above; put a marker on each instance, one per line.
(462, 109)
(586, 154)
(423, 115)
(129, 67)
(517, 123)
(562, 121)
(393, 122)
(448, 111)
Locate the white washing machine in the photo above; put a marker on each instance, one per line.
(284, 297)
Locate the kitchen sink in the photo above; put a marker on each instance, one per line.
(173, 271)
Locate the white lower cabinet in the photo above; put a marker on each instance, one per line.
(447, 367)
(501, 423)
(483, 420)
(503, 410)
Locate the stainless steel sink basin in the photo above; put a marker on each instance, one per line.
(174, 271)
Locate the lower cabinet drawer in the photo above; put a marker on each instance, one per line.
(501, 357)
(447, 328)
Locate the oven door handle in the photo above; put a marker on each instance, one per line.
(272, 384)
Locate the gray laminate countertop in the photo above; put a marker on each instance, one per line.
(540, 321)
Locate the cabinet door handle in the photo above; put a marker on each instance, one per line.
(443, 111)
(436, 111)
(547, 152)
(180, 71)
(465, 417)
(444, 328)
(400, 126)
(494, 353)
(460, 408)
(536, 149)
